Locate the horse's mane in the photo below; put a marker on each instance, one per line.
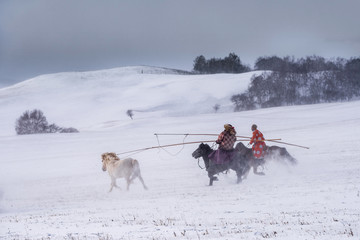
(110, 156)
(206, 147)
(243, 149)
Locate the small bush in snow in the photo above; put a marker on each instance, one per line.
(68, 130)
(53, 128)
(35, 122)
(31, 122)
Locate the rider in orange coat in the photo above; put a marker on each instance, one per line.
(259, 142)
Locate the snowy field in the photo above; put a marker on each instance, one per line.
(52, 185)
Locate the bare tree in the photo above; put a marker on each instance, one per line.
(130, 113)
(31, 123)
(216, 107)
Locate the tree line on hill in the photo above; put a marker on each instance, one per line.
(289, 81)
(230, 64)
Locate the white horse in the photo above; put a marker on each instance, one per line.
(128, 168)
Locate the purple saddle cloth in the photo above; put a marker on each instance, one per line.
(222, 156)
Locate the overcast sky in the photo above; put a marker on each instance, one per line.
(42, 36)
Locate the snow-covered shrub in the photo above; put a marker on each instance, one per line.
(32, 122)
(69, 130)
(53, 128)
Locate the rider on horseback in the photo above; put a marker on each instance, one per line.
(259, 143)
(227, 138)
(221, 158)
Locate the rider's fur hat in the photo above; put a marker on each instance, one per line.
(228, 127)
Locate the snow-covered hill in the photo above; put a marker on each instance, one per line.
(52, 185)
(85, 99)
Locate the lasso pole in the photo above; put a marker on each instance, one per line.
(291, 144)
(192, 134)
(206, 134)
(169, 145)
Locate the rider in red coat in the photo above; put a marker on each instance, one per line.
(259, 142)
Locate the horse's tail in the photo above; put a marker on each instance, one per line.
(287, 155)
(136, 172)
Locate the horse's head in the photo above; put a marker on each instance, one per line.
(104, 161)
(108, 157)
(202, 150)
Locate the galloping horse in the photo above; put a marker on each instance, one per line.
(127, 168)
(244, 160)
(238, 164)
(271, 152)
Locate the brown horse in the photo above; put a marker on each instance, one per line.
(271, 153)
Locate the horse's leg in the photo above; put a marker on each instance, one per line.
(211, 181)
(256, 165)
(142, 181)
(128, 181)
(212, 177)
(212, 170)
(239, 176)
(112, 184)
(116, 185)
(240, 170)
(236, 166)
(245, 164)
(206, 161)
(246, 171)
(137, 174)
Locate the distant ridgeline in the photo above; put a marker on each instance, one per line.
(288, 81)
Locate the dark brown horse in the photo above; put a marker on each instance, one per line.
(271, 153)
(238, 163)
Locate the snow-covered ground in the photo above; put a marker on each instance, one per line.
(52, 185)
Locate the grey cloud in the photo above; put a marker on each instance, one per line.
(43, 36)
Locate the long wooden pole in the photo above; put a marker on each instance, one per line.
(199, 134)
(193, 134)
(169, 145)
(291, 144)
